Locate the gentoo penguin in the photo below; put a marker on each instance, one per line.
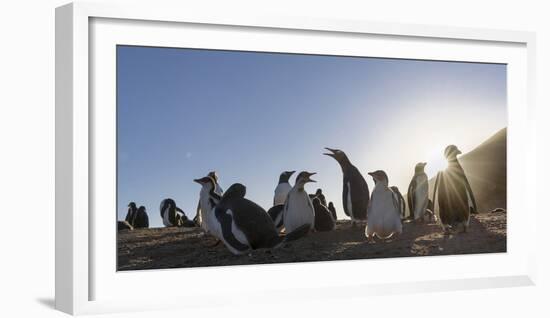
(323, 217)
(282, 188)
(384, 218)
(298, 208)
(200, 214)
(141, 219)
(332, 210)
(172, 215)
(241, 224)
(355, 194)
(453, 194)
(417, 195)
(132, 209)
(400, 200)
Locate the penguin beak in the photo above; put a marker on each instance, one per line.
(458, 152)
(331, 153)
(199, 181)
(424, 164)
(373, 175)
(309, 179)
(290, 173)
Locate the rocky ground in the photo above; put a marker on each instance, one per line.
(188, 247)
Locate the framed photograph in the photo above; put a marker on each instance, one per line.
(250, 156)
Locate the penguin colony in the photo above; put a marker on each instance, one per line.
(242, 225)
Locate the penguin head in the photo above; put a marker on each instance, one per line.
(213, 175)
(318, 192)
(235, 191)
(379, 176)
(337, 154)
(331, 205)
(207, 181)
(303, 178)
(166, 204)
(420, 167)
(451, 152)
(285, 176)
(132, 205)
(141, 209)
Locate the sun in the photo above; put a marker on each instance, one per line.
(436, 161)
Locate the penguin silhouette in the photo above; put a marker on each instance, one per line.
(417, 195)
(355, 193)
(452, 196)
(141, 219)
(323, 217)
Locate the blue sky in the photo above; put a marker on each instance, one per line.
(249, 116)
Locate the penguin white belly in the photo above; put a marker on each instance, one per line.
(383, 215)
(421, 196)
(281, 192)
(237, 232)
(166, 219)
(213, 225)
(205, 210)
(298, 211)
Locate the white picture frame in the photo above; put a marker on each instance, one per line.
(79, 254)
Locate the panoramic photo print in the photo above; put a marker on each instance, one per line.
(235, 157)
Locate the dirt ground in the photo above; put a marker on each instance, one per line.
(188, 247)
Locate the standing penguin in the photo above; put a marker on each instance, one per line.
(323, 217)
(298, 208)
(141, 219)
(400, 200)
(384, 218)
(201, 212)
(417, 195)
(132, 210)
(332, 210)
(453, 194)
(283, 188)
(241, 224)
(355, 194)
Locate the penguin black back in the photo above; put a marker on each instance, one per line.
(323, 217)
(355, 193)
(332, 210)
(141, 219)
(452, 192)
(249, 217)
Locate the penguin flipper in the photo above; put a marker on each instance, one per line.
(345, 197)
(410, 197)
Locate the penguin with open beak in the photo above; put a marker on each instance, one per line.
(355, 193)
(299, 210)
